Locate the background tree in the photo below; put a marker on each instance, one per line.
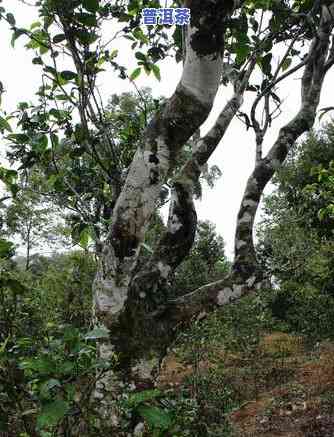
(296, 237)
(205, 263)
(32, 222)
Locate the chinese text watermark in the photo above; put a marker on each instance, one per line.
(167, 16)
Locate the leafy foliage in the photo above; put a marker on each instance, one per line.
(296, 238)
(48, 362)
(205, 263)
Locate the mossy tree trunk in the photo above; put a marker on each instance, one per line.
(132, 304)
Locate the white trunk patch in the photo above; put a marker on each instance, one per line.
(164, 269)
(174, 224)
(246, 218)
(249, 202)
(227, 295)
(201, 74)
(163, 154)
(251, 281)
(239, 244)
(106, 350)
(237, 291)
(113, 303)
(144, 368)
(139, 430)
(252, 184)
(224, 296)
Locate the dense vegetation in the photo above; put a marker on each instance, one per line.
(48, 359)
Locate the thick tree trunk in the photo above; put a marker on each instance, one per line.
(148, 291)
(167, 133)
(119, 299)
(133, 304)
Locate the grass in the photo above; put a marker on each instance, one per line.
(249, 375)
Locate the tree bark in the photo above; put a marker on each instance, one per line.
(246, 277)
(149, 287)
(133, 304)
(169, 130)
(118, 300)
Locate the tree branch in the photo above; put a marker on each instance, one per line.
(165, 136)
(246, 276)
(148, 284)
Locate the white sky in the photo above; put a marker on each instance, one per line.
(235, 154)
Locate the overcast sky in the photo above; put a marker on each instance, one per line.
(235, 154)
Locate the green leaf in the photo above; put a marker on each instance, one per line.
(14, 188)
(6, 249)
(11, 19)
(52, 70)
(266, 64)
(84, 237)
(141, 56)
(70, 391)
(80, 134)
(68, 75)
(156, 417)
(86, 19)
(43, 49)
(59, 38)
(97, 333)
(41, 365)
(242, 51)
(147, 247)
(156, 71)
(4, 125)
(86, 37)
(136, 72)
(91, 5)
(286, 64)
(67, 367)
(39, 41)
(52, 413)
(45, 390)
(16, 34)
(15, 285)
(40, 143)
(23, 106)
(113, 54)
(54, 141)
(37, 61)
(19, 138)
(61, 97)
(9, 177)
(136, 399)
(322, 214)
(35, 24)
(4, 345)
(53, 181)
(139, 35)
(148, 68)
